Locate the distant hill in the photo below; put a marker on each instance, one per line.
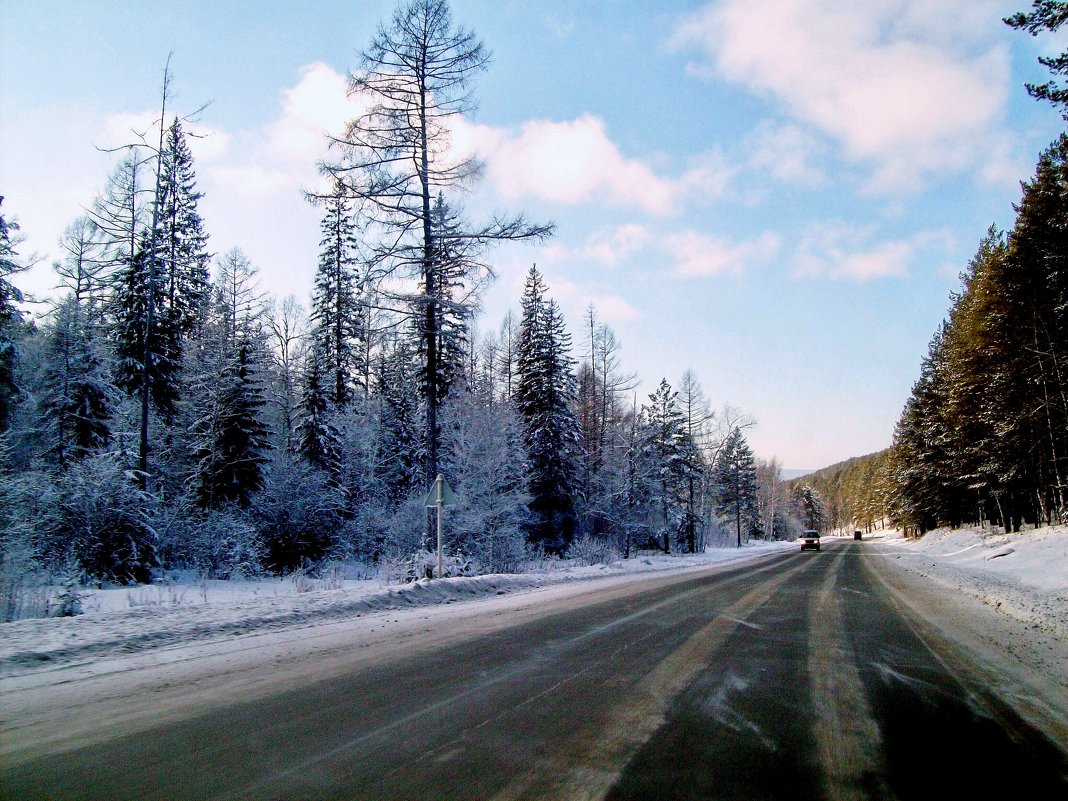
(854, 492)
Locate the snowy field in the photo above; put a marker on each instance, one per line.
(1024, 576)
(133, 619)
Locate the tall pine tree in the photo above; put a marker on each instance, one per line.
(734, 473)
(337, 313)
(182, 240)
(10, 316)
(544, 395)
(673, 454)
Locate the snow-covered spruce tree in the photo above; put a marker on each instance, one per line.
(919, 455)
(149, 312)
(395, 159)
(316, 434)
(673, 455)
(483, 457)
(458, 276)
(400, 422)
(734, 474)
(809, 506)
(1034, 338)
(141, 329)
(79, 396)
(181, 239)
(545, 388)
(10, 316)
(174, 274)
(223, 442)
(336, 312)
(234, 446)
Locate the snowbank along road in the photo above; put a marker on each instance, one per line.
(816, 675)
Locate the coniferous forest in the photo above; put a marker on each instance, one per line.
(984, 435)
(169, 415)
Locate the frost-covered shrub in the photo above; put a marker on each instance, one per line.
(301, 582)
(587, 550)
(298, 513)
(483, 458)
(69, 601)
(424, 564)
(227, 545)
(93, 512)
(536, 559)
(407, 526)
(24, 590)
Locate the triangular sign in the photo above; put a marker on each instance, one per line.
(448, 498)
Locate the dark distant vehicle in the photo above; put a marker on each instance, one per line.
(810, 539)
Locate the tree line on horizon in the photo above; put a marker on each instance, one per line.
(168, 414)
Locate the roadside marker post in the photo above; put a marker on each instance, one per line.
(440, 496)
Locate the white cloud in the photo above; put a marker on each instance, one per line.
(695, 254)
(280, 159)
(316, 106)
(910, 89)
(576, 162)
(843, 251)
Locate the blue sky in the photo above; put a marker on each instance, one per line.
(776, 195)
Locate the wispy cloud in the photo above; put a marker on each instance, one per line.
(687, 253)
(839, 250)
(787, 153)
(697, 255)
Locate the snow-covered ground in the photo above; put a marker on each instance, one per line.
(1023, 575)
(130, 620)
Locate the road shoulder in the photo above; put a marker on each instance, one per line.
(1018, 657)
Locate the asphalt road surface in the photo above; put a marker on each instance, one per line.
(802, 675)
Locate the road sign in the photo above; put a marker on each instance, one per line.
(447, 497)
(439, 497)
